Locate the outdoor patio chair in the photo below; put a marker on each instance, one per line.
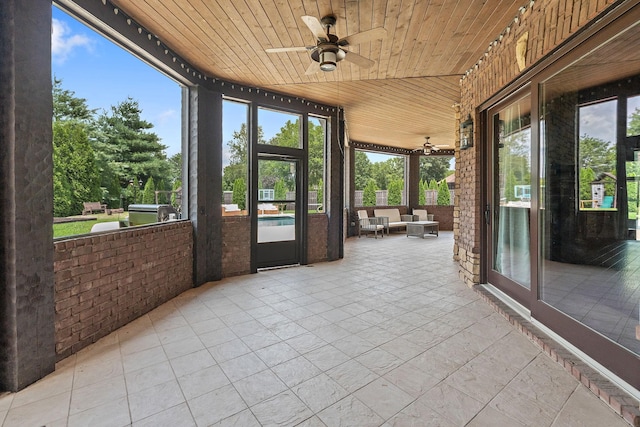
(422, 215)
(366, 224)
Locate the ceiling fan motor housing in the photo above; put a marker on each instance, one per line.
(328, 54)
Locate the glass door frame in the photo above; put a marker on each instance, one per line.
(489, 159)
(272, 152)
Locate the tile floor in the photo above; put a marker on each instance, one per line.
(388, 336)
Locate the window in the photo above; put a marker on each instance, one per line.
(280, 128)
(436, 180)
(316, 163)
(597, 155)
(235, 166)
(117, 143)
(379, 179)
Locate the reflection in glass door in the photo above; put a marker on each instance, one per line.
(510, 186)
(277, 212)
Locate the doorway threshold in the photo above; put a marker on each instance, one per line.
(278, 267)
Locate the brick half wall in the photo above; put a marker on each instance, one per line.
(103, 282)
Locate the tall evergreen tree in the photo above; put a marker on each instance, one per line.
(75, 174)
(395, 192)
(422, 197)
(127, 147)
(369, 194)
(149, 192)
(67, 106)
(444, 197)
(240, 193)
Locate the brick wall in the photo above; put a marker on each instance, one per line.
(442, 214)
(548, 23)
(317, 238)
(236, 245)
(105, 281)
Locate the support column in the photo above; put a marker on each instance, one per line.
(413, 181)
(205, 182)
(335, 172)
(27, 315)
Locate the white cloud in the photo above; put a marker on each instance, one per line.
(166, 116)
(63, 43)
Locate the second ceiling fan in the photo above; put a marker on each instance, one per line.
(329, 49)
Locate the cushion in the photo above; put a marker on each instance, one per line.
(231, 207)
(392, 214)
(421, 214)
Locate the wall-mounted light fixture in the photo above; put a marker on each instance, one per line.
(466, 133)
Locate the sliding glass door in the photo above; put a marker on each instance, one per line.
(508, 209)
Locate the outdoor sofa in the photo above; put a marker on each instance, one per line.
(392, 218)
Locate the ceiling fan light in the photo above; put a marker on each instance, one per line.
(328, 61)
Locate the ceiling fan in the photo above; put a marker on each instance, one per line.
(329, 49)
(427, 148)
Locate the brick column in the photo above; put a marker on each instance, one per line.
(205, 182)
(413, 182)
(27, 348)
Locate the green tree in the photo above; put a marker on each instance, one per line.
(240, 193)
(369, 194)
(316, 154)
(175, 168)
(288, 136)
(162, 197)
(67, 106)
(387, 171)
(75, 174)
(633, 125)
(394, 197)
(444, 197)
(362, 170)
(177, 185)
(434, 168)
(149, 192)
(62, 192)
(126, 147)
(237, 149)
(280, 190)
(597, 154)
(422, 197)
(112, 192)
(587, 176)
(510, 186)
(433, 185)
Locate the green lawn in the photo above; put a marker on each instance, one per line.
(64, 229)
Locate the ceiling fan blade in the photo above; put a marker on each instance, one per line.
(313, 68)
(316, 27)
(289, 49)
(365, 36)
(359, 60)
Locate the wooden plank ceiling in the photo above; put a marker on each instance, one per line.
(406, 95)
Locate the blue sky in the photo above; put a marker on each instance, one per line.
(105, 75)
